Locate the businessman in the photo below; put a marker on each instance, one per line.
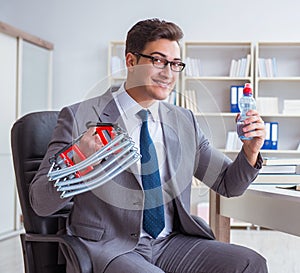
(139, 222)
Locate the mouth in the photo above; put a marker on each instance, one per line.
(162, 84)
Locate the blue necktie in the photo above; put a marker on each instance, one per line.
(153, 218)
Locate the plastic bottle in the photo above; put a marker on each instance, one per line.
(246, 103)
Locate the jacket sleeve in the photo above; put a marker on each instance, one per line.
(45, 199)
(220, 173)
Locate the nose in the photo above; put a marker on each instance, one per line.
(167, 71)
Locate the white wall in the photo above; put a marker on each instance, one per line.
(81, 30)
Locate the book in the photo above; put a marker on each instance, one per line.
(233, 66)
(240, 67)
(247, 70)
(291, 107)
(233, 141)
(243, 65)
(267, 67)
(261, 68)
(277, 179)
(190, 100)
(267, 105)
(280, 169)
(280, 161)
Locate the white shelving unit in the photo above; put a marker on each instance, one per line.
(283, 84)
(116, 66)
(211, 83)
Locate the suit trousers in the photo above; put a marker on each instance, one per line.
(178, 253)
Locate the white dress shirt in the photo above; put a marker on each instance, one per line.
(129, 108)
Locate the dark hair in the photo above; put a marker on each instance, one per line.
(151, 30)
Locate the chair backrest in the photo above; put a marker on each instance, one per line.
(30, 136)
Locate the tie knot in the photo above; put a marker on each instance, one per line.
(143, 114)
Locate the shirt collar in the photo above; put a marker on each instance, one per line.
(129, 107)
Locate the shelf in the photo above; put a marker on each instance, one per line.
(215, 114)
(281, 115)
(283, 152)
(217, 78)
(278, 79)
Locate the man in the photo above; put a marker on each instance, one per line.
(112, 221)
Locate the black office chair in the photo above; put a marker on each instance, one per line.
(30, 136)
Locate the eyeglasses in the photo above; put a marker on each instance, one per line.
(161, 63)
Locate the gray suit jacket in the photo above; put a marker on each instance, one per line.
(108, 219)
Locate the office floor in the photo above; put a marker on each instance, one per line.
(281, 250)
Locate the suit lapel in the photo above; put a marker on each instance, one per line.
(108, 111)
(171, 135)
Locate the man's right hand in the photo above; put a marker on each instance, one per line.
(88, 144)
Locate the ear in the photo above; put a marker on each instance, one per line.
(130, 61)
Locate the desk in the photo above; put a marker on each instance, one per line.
(266, 206)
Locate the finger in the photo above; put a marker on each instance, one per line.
(254, 126)
(252, 112)
(91, 131)
(253, 119)
(98, 142)
(255, 130)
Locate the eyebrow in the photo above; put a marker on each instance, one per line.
(163, 55)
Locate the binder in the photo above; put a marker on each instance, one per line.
(236, 92)
(274, 135)
(234, 108)
(267, 142)
(240, 93)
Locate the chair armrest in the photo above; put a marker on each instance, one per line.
(76, 248)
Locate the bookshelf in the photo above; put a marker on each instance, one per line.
(283, 84)
(116, 66)
(210, 78)
(211, 81)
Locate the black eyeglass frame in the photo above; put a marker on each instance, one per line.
(163, 61)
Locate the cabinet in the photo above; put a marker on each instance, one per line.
(208, 75)
(25, 83)
(277, 83)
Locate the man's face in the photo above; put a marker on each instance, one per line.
(146, 82)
